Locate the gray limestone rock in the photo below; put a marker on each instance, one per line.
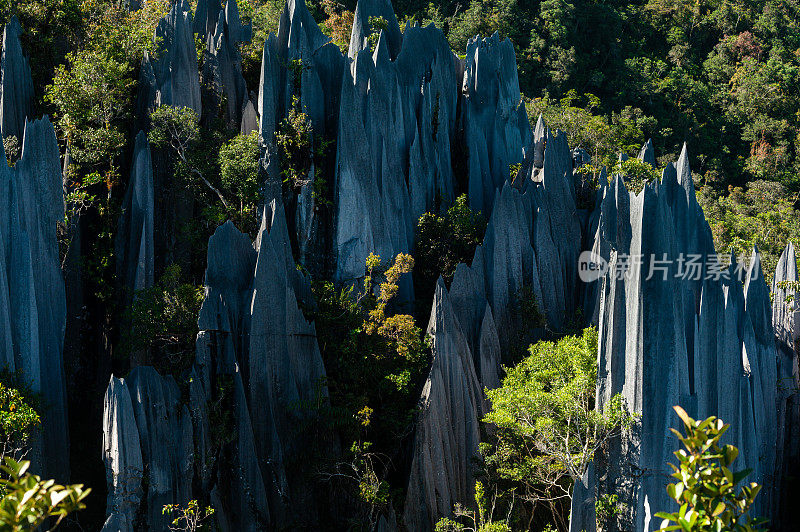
(448, 432)
(37, 181)
(222, 72)
(16, 85)
(496, 128)
(177, 81)
(134, 246)
(122, 456)
(206, 15)
(362, 29)
(249, 119)
(679, 336)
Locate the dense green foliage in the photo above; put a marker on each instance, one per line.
(442, 242)
(374, 360)
(706, 487)
(19, 415)
(546, 427)
(238, 168)
(30, 503)
(760, 215)
(164, 317)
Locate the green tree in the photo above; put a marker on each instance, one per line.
(239, 164)
(29, 502)
(480, 520)
(375, 361)
(706, 487)
(761, 215)
(547, 427)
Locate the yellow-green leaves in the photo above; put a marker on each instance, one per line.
(706, 487)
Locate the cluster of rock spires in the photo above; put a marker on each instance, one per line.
(674, 334)
(414, 125)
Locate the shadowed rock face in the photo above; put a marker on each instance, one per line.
(396, 129)
(409, 119)
(667, 339)
(448, 430)
(362, 29)
(16, 87)
(254, 343)
(32, 293)
(223, 71)
(172, 78)
(134, 239)
(496, 127)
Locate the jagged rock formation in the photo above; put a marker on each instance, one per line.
(785, 316)
(16, 86)
(32, 298)
(496, 127)
(669, 338)
(394, 145)
(448, 430)
(414, 126)
(222, 71)
(171, 78)
(148, 450)
(134, 246)
(301, 62)
(122, 455)
(257, 358)
(359, 36)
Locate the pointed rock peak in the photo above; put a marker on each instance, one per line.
(647, 154)
(381, 55)
(231, 257)
(669, 175)
(755, 282)
(540, 131)
(13, 28)
(362, 28)
(684, 172)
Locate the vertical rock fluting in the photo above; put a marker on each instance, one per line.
(448, 432)
(301, 71)
(32, 207)
(133, 245)
(171, 77)
(786, 323)
(396, 130)
(16, 85)
(496, 127)
(258, 363)
(222, 70)
(122, 456)
(677, 327)
(471, 321)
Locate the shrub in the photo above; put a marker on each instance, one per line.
(706, 487)
(189, 518)
(29, 502)
(19, 416)
(375, 362)
(238, 168)
(164, 317)
(442, 242)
